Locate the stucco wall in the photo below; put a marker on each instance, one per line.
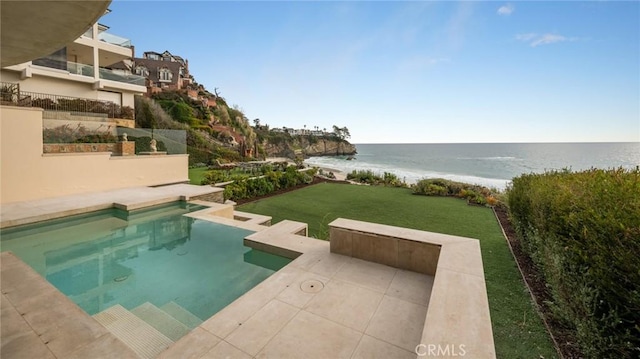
(71, 85)
(27, 174)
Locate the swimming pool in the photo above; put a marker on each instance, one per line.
(152, 257)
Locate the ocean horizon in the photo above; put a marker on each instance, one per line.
(488, 164)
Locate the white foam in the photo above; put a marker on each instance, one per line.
(408, 175)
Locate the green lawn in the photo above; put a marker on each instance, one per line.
(517, 329)
(196, 175)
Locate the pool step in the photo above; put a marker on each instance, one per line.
(184, 316)
(137, 334)
(161, 320)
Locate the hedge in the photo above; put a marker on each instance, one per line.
(582, 230)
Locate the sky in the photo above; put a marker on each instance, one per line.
(410, 72)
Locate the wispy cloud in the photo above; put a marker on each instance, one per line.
(543, 39)
(506, 10)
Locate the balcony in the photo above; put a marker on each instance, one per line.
(107, 74)
(114, 39)
(87, 70)
(109, 38)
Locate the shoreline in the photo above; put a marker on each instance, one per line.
(340, 175)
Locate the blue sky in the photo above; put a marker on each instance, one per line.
(410, 72)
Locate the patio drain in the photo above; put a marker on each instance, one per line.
(311, 286)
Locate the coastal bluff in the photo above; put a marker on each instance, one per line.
(315, 147)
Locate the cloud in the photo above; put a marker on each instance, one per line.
(544, 39)
(526, 37)
(506, 10)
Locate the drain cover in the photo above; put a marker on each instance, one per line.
(311, 286)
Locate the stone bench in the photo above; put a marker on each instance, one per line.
(458, 318)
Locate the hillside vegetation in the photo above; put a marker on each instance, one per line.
(224, 133)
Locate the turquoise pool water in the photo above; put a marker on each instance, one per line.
(155, 255)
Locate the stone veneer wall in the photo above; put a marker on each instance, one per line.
(217, 197)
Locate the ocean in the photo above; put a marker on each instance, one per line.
(487, 164)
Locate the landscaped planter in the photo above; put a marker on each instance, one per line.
(78, 147)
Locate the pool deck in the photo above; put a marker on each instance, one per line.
(18, 213)
(322, 305)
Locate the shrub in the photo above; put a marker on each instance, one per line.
(441, 187)
(363, 176)
(78, 134)
(582, 230)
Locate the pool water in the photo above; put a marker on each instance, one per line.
(155, 255)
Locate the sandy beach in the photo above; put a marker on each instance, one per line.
(340, 176)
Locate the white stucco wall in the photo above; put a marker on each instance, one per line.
(66, 84)
(27, 174)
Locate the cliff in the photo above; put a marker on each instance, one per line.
(309, 147)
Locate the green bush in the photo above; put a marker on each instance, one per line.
(364, 176)
(441, 187)
(245, 187)
(582, 230)
(79, 134)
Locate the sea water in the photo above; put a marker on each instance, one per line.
(487, 164)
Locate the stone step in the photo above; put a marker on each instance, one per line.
(161, 320)
(184, 316)
(137, 334)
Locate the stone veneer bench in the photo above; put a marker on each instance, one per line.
(458, 321)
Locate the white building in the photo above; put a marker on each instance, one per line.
(68, 87)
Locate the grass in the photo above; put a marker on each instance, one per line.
(196, 175)
(517, 329)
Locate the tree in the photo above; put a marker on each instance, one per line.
(345, 133)
(257, 122)
(341, 132)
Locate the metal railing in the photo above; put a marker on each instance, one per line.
(11, 95)
(9, 92)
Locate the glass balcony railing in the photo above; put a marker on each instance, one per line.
(114, 76)
(80, 69)
(113, 39)
(87, 70)
(89, 33)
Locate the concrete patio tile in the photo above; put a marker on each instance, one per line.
(225, 350)
(398, 322)
(411, 286)
(346, 304)
(105, 346)
(464, 257)
(63, 337)
(193, 345)
(310, 336)
(320, 262)
(254, 334)
(372, 348)
(18, 339)
(460, 306)
(329, 264)
(294, 293)
(19, 284)
(236, 313)
(366, 274)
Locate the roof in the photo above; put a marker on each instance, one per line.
(154, 65)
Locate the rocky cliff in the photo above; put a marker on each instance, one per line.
(315, 147)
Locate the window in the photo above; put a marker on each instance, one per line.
(141, 70)
(165, 75)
